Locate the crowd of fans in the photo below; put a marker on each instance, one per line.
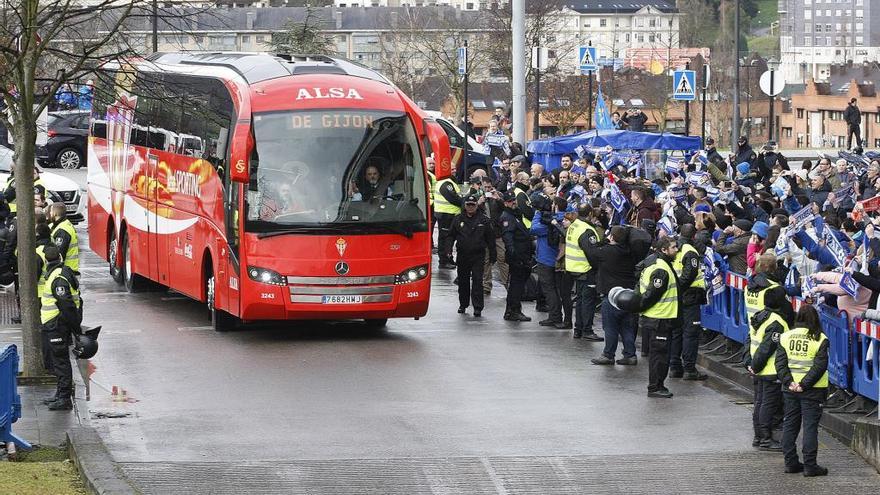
(571, 236)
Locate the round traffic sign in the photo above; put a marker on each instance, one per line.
(778, 83)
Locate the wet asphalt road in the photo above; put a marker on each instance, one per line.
(447, 404)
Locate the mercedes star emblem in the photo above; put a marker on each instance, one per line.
(342, 268)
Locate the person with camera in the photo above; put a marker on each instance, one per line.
(635, 119)
(473, 237)
(493, 206)
(547, 229)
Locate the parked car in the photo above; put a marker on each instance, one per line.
(58, 188)
(66, 146)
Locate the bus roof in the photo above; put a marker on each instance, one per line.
(258, 67)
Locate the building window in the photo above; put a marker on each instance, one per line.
(586, 22)
(859, 27)
(652, 22)
(651, 37)
(640, 38)
(800, 113)
(808, 14)
(787, 131)
(245, 40)
(261, 39)
(818, 28)
(808, 2)
(877, 118)
(877, 142)
(808, 27)
(837, 13)
(860, 40)
(603, 22)
(627, 37)
(828, 13)
(808, 41)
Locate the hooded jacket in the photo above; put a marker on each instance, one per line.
(646, 210)
(735, 251)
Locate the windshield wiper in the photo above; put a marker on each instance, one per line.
(316, 229)
(404, 231)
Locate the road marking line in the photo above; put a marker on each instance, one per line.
(493, 475)
(193, 329)
(17, 330)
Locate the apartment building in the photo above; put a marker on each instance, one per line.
(814, 34)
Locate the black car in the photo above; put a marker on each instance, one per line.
(68, 134)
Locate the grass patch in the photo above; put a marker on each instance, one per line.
(767, 13)
(766, 46)
(41, 471)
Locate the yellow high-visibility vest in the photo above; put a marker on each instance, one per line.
(71, 257)
(48, 305)
(667, 307)
(801, 351)
(678, 265)
(757, 336)
(755, 301)
(575, 258)
(440, 203)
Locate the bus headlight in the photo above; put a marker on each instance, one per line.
(265, 276)
(410, 275)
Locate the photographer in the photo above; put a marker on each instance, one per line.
(546, 226)
(493, 206)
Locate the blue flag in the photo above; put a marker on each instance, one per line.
(603, 120)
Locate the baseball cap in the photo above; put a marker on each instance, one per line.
(471, 198)
(508, 196)
(743, 225)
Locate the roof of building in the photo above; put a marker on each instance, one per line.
(866, 75)
(621, 6)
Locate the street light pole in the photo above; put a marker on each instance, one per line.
(464, 155)
(705, 86)
(590, 95)
(736, 119)
(536, 131)
(687, 108)
(155, 26)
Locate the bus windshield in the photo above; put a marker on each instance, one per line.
(360, 170)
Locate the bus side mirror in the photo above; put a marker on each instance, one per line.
(440, 146)
(242, 143)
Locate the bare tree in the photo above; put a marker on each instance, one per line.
(435, 34)
(545, 24)
(47, 44)
(304, 36)
(566, 102)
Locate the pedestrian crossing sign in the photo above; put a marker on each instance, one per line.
(684, 85)
(587, 58)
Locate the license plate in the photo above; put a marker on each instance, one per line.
(343, 299)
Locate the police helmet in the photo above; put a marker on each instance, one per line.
(623, 299)
(85, 344)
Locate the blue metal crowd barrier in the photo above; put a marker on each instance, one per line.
(835, 324)
(10, 402)
(736, 321)
(853, 362)
(866, 358)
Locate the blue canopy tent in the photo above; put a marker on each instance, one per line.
(548, 152)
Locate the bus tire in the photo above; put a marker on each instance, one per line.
(221, 321)
(377, 324)
(112, 256)
(132, 281)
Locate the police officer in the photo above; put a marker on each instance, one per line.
(9, 192)
(769, 325)
(432, 181)
(523, 204)
(43, 239)
(579, 236)
(518, 251)
(60, 314)
(447, 204)
(763, 292)
(658, 304)
(686, 338)
(64, 236)
(472, 234)
(802, 367)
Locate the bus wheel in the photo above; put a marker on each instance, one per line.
(377, 324)
(112, 255)
(221, 321)
(133, 281)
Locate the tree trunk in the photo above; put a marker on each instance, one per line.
(25, 133)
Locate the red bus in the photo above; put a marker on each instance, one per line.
(268, 187)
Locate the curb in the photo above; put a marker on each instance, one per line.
(840, 425)
(96, 468)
